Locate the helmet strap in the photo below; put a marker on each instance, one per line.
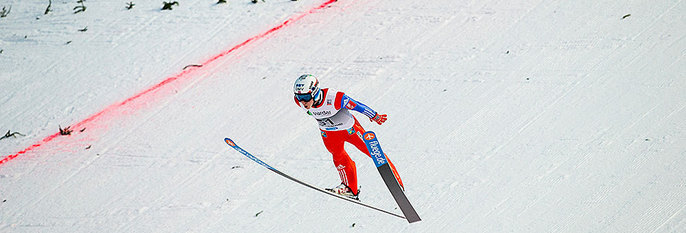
(318, 98)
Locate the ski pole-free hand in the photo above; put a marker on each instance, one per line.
(379, 118)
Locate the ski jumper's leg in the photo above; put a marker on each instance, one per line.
(334, 140)
(356, 139)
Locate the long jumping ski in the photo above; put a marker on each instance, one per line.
(384, 168)
(259, 161)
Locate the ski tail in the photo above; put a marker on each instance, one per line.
(388, 177)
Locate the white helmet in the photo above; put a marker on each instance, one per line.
(306, 87)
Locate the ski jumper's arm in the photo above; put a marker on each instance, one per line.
(344, 101)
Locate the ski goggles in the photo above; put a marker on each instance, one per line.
(304, 97)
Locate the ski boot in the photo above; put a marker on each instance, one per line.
(345, 191)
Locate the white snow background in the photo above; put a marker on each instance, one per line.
(504, 116)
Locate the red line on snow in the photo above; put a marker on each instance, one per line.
(184, 74)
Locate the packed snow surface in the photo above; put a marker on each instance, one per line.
(503, 116)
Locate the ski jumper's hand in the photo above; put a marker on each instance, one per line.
(379, 118)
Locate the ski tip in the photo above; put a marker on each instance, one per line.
(369, 135)
(229, 141)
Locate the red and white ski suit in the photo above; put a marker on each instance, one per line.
(338, 126)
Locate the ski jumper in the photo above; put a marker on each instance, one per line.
(338, 126)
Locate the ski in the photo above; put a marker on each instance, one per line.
(384, 168)
(233, 145)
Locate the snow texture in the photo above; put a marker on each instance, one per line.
(503, 116)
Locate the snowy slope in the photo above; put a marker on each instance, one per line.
(504, 116)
